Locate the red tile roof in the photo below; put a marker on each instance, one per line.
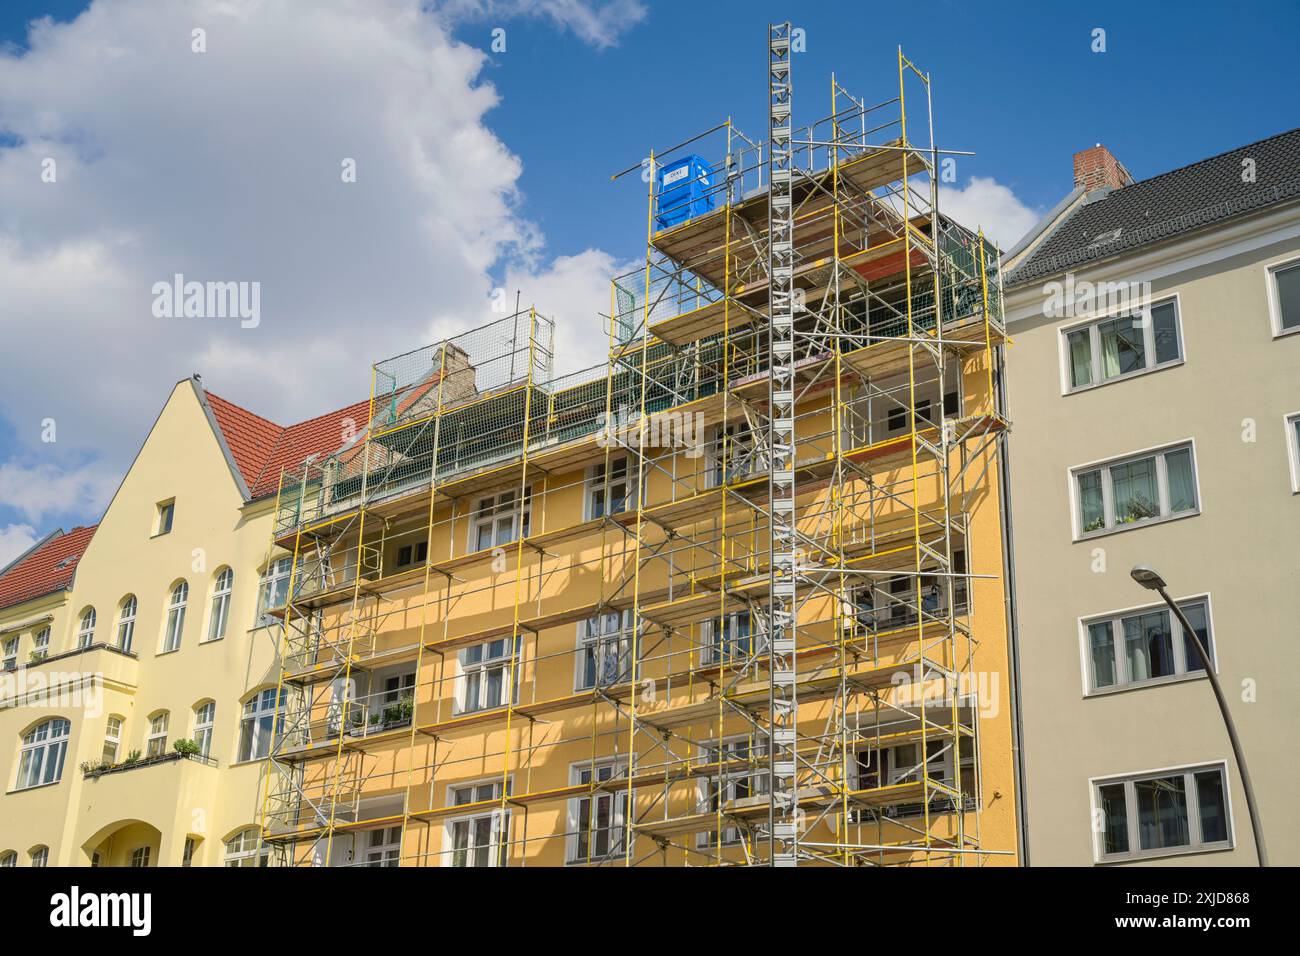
(47, 569)
(262, 448)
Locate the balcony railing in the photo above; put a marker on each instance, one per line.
(93, 770)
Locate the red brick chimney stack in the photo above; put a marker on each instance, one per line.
(1097, 167)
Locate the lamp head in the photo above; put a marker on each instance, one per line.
(1149, 578)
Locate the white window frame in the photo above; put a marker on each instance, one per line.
(614, 633)
(41, 643)
(140, 856)
(1116, 618)
(729, 783)
(165, 515)
(498, 823)
(43, 753)
(126, 615)
(467, 672)
(8, 859)
(1103, 466)
(222, 586)
(205, 715)
(86, 628)
(174, 628)
(112, 739)
(709, 649)
(414, 558)
(598, 483)
(1291, 425)
(1093, 325)
(237, 851)
(155, 743)
(187, 851)
(40, 857)
(256, 709)
(1195, 843)
(273, 586)
(617, 766)
(494, 509)
(1274, 299)
(10, 655)
(386, 852)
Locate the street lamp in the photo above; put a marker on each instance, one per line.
(1150, 579)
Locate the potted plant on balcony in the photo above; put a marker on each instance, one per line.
(186, 748)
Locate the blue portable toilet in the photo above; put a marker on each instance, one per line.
(685, 191)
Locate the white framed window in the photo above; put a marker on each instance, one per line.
(273, 591)
(1292, 423)
(86, 628)
(496, 519)
(875, 767)
(156, 742)
(416, 553)
(41, 856)
(382, 847)
(730, 638)
(610, 490)
(175, 626)
(258, 724)
(204, 717)
(479, 838)
(112, 740)
(604, 650)
(222, 585)
(245, 849)
(485, 675)
(41, 644)
(126, 623)
(140, 856)
(44, 748)
(1123, 345)
(598, 820)
(9, 659)
(1135, 490)
(187, 852)
(8, 858)
(1145, 646)
(742, 773)
(166, 515)
(1162, 813)
(1284, 296)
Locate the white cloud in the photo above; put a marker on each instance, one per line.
(14, 540)
(37, 491)
(600, 24)
(984, 203)
(226, 166)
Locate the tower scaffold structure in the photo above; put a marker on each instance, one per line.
(732, 597)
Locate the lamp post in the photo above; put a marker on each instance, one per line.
(1150, 579)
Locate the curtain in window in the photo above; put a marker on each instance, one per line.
(1148, 645)
(1182, 487)
(1122, 347)
(1091, 506)
(1080, 344)
(1103, 654)
(1195, 614)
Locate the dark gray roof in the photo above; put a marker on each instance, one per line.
(1183, 200)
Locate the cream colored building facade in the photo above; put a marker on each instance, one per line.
(1170, 443)
(159, 639)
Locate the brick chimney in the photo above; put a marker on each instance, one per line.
(1097, 167)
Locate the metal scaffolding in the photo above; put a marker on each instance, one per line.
(708, 603)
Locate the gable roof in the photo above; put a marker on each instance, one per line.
(47, 567)
(261, 448)
(1180, 201)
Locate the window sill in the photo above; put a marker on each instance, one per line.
(1142, 855)
(174, 650)
(1133, 526)
(1145, 684)
(1283, 333)
(39, 786)
(159, 534)
(1127, 376)
(211, 640)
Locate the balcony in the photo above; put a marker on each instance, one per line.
(94, 771)
(108, 665)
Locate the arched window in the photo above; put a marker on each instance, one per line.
(156, 743)
(126, 623)
(274, 589)
(9, 858)
(221, 586)
(41, 644)
(86, 631)
(41, 759)
(245, 849)
(176, 616)
(40, 856)
(257, 724)
(204, 716)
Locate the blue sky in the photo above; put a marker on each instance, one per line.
(582, 90)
